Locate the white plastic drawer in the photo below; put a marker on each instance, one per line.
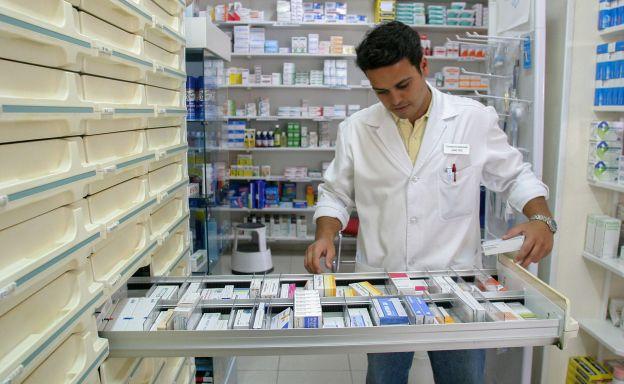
(117, 205)
(163, 98)
(168, 218)
(105, 33)
(149, 371)
(115, 152)
(186, 374)
(42, 33)
(36, 170)
(165, 58)
(173, 22)
(173, 156)
(119, 370)
(163, 139)
(170, 117)
(120, 96)
(119, 54)
(120, 123)
(125, 14)
(114, 260)
(75, 360)
(167, 31)
(63, 242)
(182, 269)
(131, 370)
(51, 11)
(166, 77)
(164, 37)
(172, 7)
(111, 179)
(34, 328)
(162, 180)
(26, 130)
(31, 89)
(172, 368)
(169, 254)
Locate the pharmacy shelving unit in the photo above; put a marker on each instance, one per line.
(287, 95)
(206, 43)
(94, 182)
(481, 328)
(600, 328)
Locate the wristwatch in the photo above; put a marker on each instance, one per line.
(552, 224)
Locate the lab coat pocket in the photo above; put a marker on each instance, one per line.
(455, 194)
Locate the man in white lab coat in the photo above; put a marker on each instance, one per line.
(412, 166)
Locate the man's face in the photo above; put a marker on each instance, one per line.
(401, 88)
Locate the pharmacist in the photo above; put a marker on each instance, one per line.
(411, 166)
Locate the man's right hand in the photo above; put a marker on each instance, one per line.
(321, 248)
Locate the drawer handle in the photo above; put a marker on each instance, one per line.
(4, 200)
(14, 375)
(111, 227)
(109, 169)
(7, 290)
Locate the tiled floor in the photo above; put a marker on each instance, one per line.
(313, 369)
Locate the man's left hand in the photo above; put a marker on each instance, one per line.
(538, 241)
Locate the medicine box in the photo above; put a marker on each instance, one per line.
(389, 311)
(607, 237)
(359, 317)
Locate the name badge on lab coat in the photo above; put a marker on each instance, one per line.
(456, 149)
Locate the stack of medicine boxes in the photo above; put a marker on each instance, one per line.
(605, 162)
(93, 183)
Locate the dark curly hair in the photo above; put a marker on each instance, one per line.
(388, 44)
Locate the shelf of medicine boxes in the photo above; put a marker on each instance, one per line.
(615, 265)
(613, 32)
(356, 26)
(604, 331)
(271, 118)
(273, 149)
(287, 239)
(607, 185)
(334, 88)
(609, 108)
(266, 210)
(347, 56)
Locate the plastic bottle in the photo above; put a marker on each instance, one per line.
(277, 136)
(271, 139)
(283, 140)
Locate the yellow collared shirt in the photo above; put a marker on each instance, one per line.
(412, 135)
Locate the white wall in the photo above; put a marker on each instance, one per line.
(580, 281)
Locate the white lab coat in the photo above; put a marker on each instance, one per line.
(413, 216)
